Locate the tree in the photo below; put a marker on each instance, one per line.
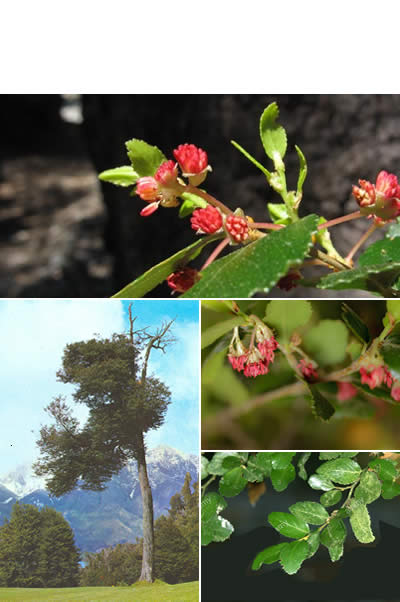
(37, 549)
(124, 404)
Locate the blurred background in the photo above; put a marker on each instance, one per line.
(63, 233)
(362, 422)
(367, 573)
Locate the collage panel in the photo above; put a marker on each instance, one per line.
(300, 374)
(99, 462)
(300, 526)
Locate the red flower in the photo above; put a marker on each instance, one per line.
(267, 348)
(237, 361)
(207, 220)
(346, 391)
(365, 194)
(237, 228)
(387, 184)
(147, 188)
(254, 369)
(373, 376)
(192, 160)
(382, 199)
(308, 370)
(388, 378)
(183, 280)
(149, 209)
(167, 173)
(395, 393)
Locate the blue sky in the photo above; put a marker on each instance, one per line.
(33, 336)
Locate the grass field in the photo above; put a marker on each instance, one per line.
(154, 592)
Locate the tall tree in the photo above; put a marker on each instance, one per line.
(124, 403)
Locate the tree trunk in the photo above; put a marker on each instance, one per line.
(148, 518)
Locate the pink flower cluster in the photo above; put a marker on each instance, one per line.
(381, 200)
(308, 370)
(375, 376)
(254, 362)
(164, 187)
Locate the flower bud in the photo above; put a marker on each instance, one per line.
(207, 220)
(149, 209)
(237, 228)
(147, 188)
(193, 162)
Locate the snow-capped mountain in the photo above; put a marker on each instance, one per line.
(101, 519)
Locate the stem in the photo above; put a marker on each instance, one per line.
(206, 484)
(362, 240)
(218, 249)
(332, 262)
(265, 225)
(207, 197)
(340, 220)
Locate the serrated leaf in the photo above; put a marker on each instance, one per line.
(381, 252)
(390, 351)
(369, 488)
(281, 460)
(361, 522)
(327, 342)
(204, 469)
(268, 555)
(216, 464)
(342, 470)
(217, 330)
(158, 273)
(273, 135)
(293, 556)
(334, 533)
(336, 551)
(288, 525)
(212, 503)
(331, 498)
(120, 176)
(333, 455)
(190, 203)
(280, 478)
(385, 468)
(311, 512)
(231, 462)
(302, 169)
(313, 543)
(253, 473)
(263, 460)
(319, 482)
(145, 158)
(287, 316)
(257, 266)
(390, 490)
(232, 482)
(217, 528)
(320, 405)
(355, 324)
(301, 465)
(375, 278)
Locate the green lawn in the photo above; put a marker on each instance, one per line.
(157, 592)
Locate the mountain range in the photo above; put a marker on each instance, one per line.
(114, 515)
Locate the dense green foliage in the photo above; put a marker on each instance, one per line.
(176, 548)
(37, 549)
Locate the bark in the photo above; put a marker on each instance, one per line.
(148, 518)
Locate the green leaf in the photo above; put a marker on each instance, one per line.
(313, 543)
(293, 556)
(253, 473)
(219, 306)
(333, 536)
(257, 266)
(331, 498)
(204, 469)
(279, 213)
(302, 169)
(321, 407)
(381, 252)
(263, 460)
(273, 136)
(231, 462)
(145, 159)
(268, 555)
(287, 316)
(211, 504)
(385, 468)
(343, 470)
(233, 482)
(390, 490)
(327, 342)
(158, 273)
(120, 176)
(374, 278)
(393, 307)
(216, 331)
(190, 203)
(369, 488)
(216, 464)
(288, 525)
(215, 529)
(390, 351)
(319, 482)
(361, 522)
(281, 478)
(281, 460)
(355, 324)
(301, 465)
(311, 512)
(333, 455)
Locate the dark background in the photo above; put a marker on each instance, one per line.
(62, 233)
(364, 573)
